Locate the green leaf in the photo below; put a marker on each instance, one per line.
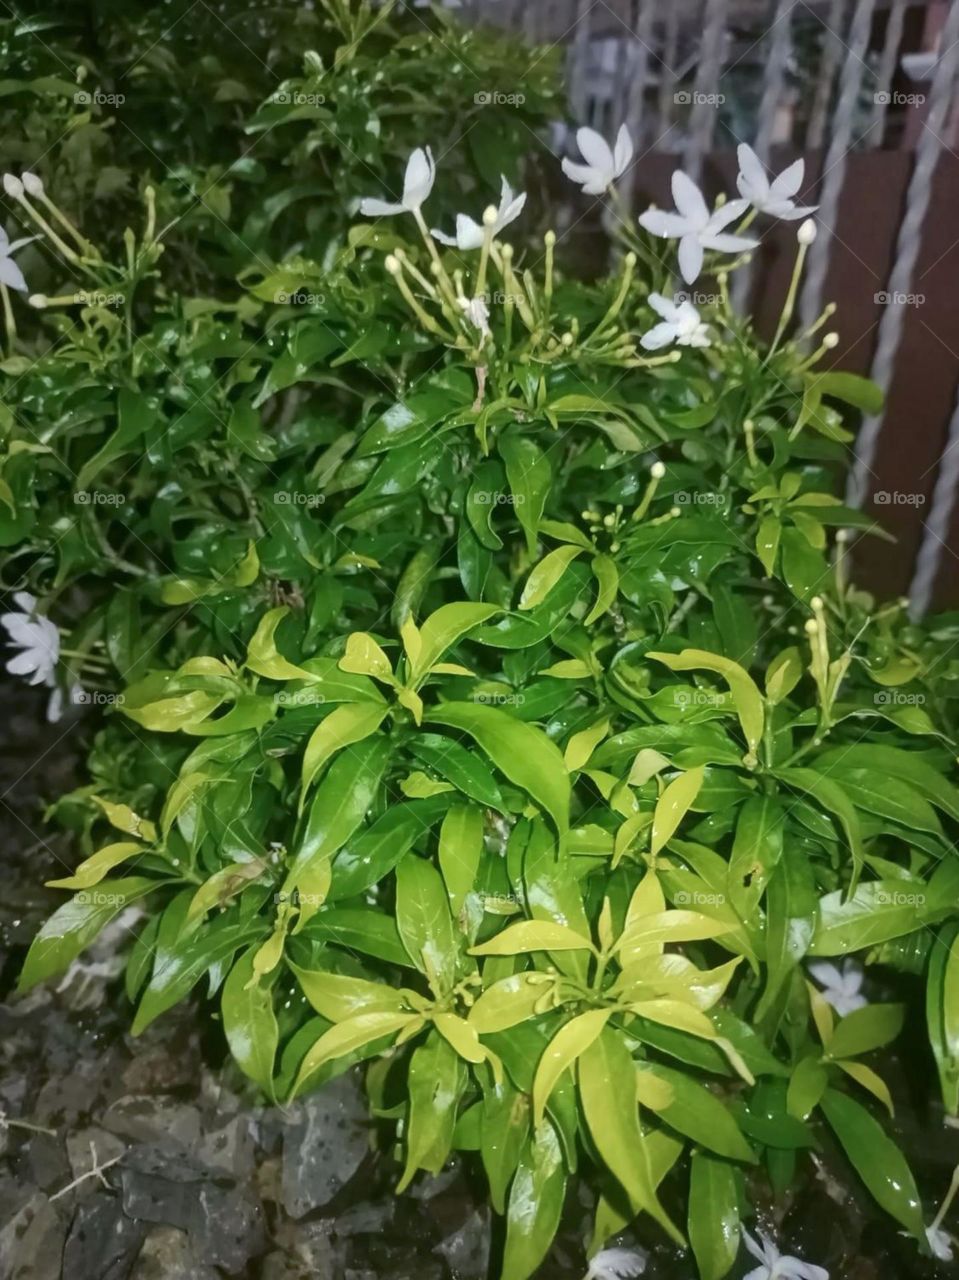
(92, 870)
(74, 926)
(523, 753)
(503, 1136)
(790, 921)
(570, 1041)
(942, 1012)
(768, 535)
(607, 1091)
(262, 655)
(698, 1114)
(345, 725)
(831, 796)
(339, 997)
(442, 629)
(249, 1022)
(607, 584)
(713, 1215)
(425, 924)
(673, 805)
(461, 846)
(336, 812)
(747, 698)
(866, 1029)
(876, 1159)
(510, 1000)
(535, 1204)
(436, 1080)
(806, 1087)
(860, 392)
(532, 935)
(757, 848)
(546, 574)
(346, 1037)
(803, 567)
(529, 476)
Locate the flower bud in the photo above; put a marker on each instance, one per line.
(38, 300)
(830, 340)
(490, 214)
(12, 186)
(657, 470)
(392, 264)
(32, 184)
(807, 232)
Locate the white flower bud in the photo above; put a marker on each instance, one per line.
(392, 264)
(830, 340)
(657, 470)
(807, 231)
(12, 186)
(816, 603)
(32, 184)
(812, 626)
(38, 300)
(490, 215)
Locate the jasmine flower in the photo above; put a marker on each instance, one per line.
(778, 1266)
(616, 1264)
(417, 185)
(602, 166)
(695, 227)
(681, 324)
(469, 233)
(36, 637)
(10, 273)
(774, 198)
(840, 987)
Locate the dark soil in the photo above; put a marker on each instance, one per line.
(202, 1183)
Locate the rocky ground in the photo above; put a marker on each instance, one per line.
(148, 1159)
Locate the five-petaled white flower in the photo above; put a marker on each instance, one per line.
(940, 1242)
(776, 197)
(681, 324)
(469, 233)
(36, 637)
(417, 185)
(10, 273)
(778, 1266)
(603, 166)
(616, 1264)
(840, 987)
(695, 227)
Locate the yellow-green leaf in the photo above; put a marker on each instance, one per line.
(673, 805)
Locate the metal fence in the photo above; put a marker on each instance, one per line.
(866, 91)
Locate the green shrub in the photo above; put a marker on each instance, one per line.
(502, 714)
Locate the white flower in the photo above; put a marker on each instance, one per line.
(10, 273)
(840, 987)
(940, 1242)
(602, 166)
(681, 324)
(36, 637)
(477, 313)
(777, 1266)
(774, 198)
(417, 185)
(469, 233)
(695, 227)
(616, 1264)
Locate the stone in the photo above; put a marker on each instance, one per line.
(168, 1254)
(31, 1242)
(102, 1242)
(467, 1249)
(149, 1119)
(325, 1143)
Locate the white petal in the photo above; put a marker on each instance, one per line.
(757, 1273)
(23, 663)
(664, 307)
(660, 223)
(623, 151)
(661, 335)
(373, 208)
(795, 1267)
(469, 233)
(788, 211)
(726, 213)
(789, 181)
(419, 178)
(595, 150)
(11, 275)
(690, 258)
(442, 237)
(826, 973)
(19, 244)
(723, 243)
(752, 171)
(25, 600)
(758, 1248)
(55, 705)
(511, 212)
(689, 199)
(589, 179)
